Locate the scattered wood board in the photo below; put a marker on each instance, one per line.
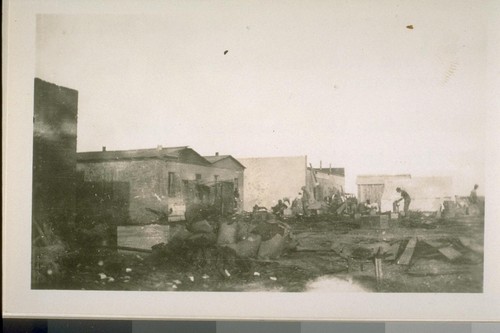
(468, 243)
(408, 252)
(450, 253)
(392, 252)
(424, 267)
(434, 244)
(313, 249)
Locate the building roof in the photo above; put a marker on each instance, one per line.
(334, 171)
(182, 154)
(379, 179)
(218, 158)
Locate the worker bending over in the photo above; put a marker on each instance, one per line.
(406, 197)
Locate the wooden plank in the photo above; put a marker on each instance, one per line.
(434, 244)
(127, 248)
(432, 267)
(408, 252)
(392, 252)
(450, 253)
(468, 243)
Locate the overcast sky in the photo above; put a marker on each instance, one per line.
(345, 82)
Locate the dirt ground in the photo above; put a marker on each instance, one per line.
(331, 255)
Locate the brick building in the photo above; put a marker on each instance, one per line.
(229, 162)
(165, 180)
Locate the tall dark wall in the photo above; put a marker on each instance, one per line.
(54, 157)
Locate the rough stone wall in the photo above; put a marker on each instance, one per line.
(144, 178)
(148, 181)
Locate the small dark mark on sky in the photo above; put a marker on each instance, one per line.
(409, 27)
(225, 52)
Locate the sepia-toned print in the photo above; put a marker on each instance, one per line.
(181, 153)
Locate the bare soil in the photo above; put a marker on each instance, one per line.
(328, 251)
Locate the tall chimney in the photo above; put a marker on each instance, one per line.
(103, 148)
(217, 153)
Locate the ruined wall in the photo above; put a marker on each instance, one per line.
(101, 206)
(145, 183)
(152, 188)
(268, 179)
(185, 175)
(54, 157)
(328, 185)
(239, 173)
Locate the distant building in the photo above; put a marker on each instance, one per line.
(268, 179)
(325, 182)
(164, 180)
(371, 187)
(427, 193)
(229, 162)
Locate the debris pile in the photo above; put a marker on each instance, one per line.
(264, 236)
(218, 247)
(194, 247)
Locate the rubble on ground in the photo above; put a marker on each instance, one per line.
(383, 252)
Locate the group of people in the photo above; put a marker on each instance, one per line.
(299, 206)
(344, 203)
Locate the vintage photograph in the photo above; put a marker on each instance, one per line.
(336, 147)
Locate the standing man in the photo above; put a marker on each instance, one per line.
(406, 197)
(473, 195)
(297, 209)
(305, 201)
